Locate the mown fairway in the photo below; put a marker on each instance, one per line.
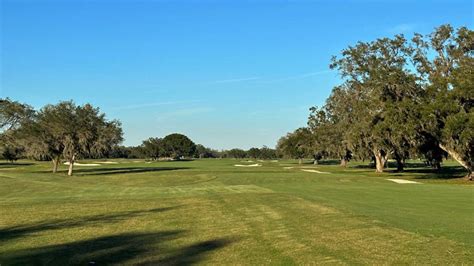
(210, 211)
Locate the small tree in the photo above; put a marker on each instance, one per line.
(11, 153)
(267, 153)
(178, 146)
(254, 153)
(154, 148)
(205, 152)
(236, 153)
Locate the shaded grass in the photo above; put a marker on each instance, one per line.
(9, 233)
(118, 170)
(117, 249)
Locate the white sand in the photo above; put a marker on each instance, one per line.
(248, 161)
(261, 161)
(108, 162)
(314, 171)
(83, 164)
(274, 161)
(288, 167)
(403, 181)
(248, 165)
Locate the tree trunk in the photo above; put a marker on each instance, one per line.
(300, 161)
(460, 160)
(343, 162)
(470, 175)
(315, 161)
(71, 165)
(56, 162)
(400, 163)
(379, 161)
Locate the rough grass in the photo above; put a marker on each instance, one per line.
(210, 211)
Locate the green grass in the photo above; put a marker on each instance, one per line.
(210, 212)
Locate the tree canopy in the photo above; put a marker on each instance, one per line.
(399, 98)
(68, 131)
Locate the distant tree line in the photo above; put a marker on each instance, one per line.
(156, 148)
(399, 99)
(263, 153)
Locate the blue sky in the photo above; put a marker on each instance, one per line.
(225, 73)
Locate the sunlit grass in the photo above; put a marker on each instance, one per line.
(209, 211)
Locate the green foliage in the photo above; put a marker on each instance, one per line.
(383, 97)
(449, 83)
(175, 146)
(77, 130)
(400, 99)
(120, 152)
(11, 153)
(263, 153)
(253, 153)
(13, 113)
(205, 152)
(153, 148)
(235, 153)
(178, 146)
(69, 131)
(297, 145)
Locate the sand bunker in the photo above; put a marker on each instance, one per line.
(108, 162)
(288, 167)
(403, 181)
(247, 165)
(248, 161)
(274, 161)
(83, 164)
(314, 171)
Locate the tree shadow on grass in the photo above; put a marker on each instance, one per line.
(147, 248)
(193, 253)
(414, 165)
(446, 172)
(9, 233)
(329, 162)
(118, 249)
(126, 170)
(119, 170)
(363, 166)
(422, 171)
(14, 165)
(104, 250)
